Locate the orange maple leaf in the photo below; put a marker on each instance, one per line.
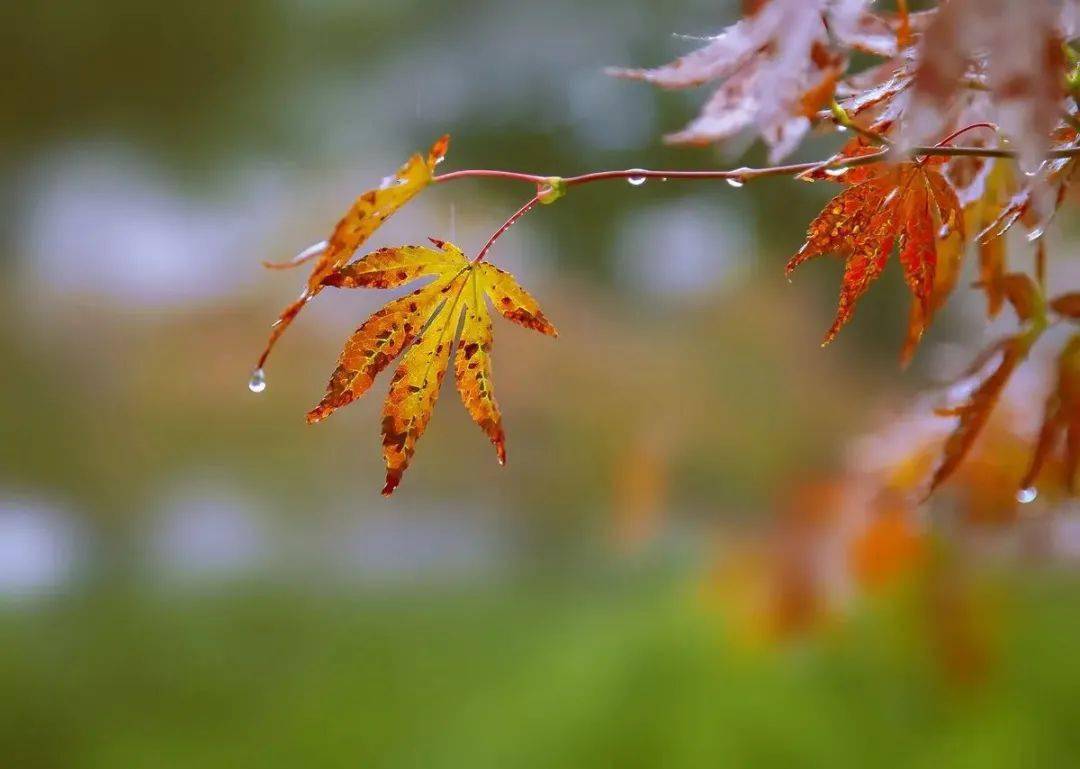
(904, 205)
(422, 325)
(1061, 417)
(365, 216)
(1027, 301)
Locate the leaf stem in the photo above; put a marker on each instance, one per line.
(964, 130)
(842, 119)
(506, 225)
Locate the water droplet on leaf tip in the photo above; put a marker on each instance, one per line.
(257, 383)
(1025, 496)
(636, 181)
(735, 182)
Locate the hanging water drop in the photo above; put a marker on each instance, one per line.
(735, 182)
(257, 383)
(1032, 170)
(1026, 496)
(634, 180)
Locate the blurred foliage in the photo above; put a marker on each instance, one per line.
(627, 672)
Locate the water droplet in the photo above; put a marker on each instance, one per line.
(663, 178)
(835, 172)
(735, 182)
(392, 181)
(257, 383)
(1035, 234)
(841, 128)
(636, 181)
(1025, 496)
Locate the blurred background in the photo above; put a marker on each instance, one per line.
(701, 552)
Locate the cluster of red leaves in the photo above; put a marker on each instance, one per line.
(949, 73)
(923, 212)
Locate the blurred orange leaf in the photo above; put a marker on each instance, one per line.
(1067, 305)
(1061, 416)
(1024, 295)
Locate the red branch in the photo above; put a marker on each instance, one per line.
(735, 175)
(506, 225)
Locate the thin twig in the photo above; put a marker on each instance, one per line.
(964, 130)
(736, 175)
(747, 174)
(470, 173)
(506, 225)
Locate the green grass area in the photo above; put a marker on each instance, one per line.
(635, 675)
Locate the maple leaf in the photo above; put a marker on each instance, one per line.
(1061, 417)
(775, 68)
(984, 201)
(874, 91)
(365, 216)
(904, 205)
(1024, 68)
(1036, 203)
(1027, 301)
(1067, 305)
(422, 325)
(950, 257)
(881, 34)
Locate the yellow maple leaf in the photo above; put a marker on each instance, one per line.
(423, 325)
(365, 216)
